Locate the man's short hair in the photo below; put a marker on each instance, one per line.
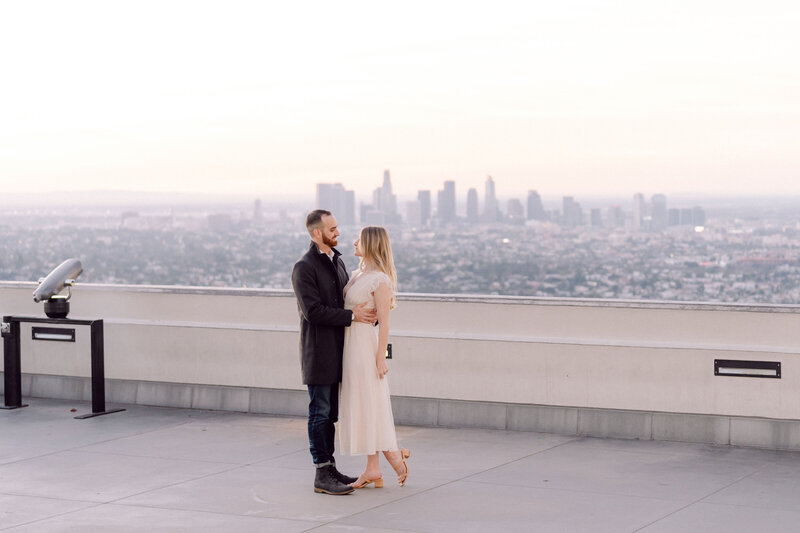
(314, 219)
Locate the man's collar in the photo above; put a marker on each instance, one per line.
(336, 252)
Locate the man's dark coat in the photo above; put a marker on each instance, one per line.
(318, 284)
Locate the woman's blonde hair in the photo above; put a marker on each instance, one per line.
(376, 252)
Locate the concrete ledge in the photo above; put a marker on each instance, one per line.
(458, 414)
(415, 411)
(432, 297)
(57, 387)
(279, 402)
(119, 391)
(220, 398)
(615, 424)
(692, 428)
(431, 412)
(164, 394)
(543, 419)
(765, 433)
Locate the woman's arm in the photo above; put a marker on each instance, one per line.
(383, 302)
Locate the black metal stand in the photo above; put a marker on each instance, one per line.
(13, 372)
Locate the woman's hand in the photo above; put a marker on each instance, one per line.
(380, 362)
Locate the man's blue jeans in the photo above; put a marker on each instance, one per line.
(323, 411)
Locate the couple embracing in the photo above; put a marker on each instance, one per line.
(339, 344)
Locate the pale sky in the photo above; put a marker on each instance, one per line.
(268, 98)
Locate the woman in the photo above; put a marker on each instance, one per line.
(366, 423)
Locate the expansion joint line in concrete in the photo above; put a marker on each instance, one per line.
(696, 501)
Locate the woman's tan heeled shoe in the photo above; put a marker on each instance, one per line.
(405, 453)
(377, 482)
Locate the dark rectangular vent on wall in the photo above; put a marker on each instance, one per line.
(53, 334)
(747, 369)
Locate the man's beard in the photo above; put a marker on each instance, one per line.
(329, 242)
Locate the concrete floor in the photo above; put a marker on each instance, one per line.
(153, 469)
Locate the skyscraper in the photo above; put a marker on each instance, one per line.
(472, 205)
(414, 214)
(674, 216)
(446, 206)
(698, 216)
(339, 201)
(616, 216)
(424, 198)
(535, 207)
(515, 211)
(384, 201)
(572, 214)
(490, 211)
(638, 212)
(388, 200)
(596, 217)
(658, 212)
(349, 208)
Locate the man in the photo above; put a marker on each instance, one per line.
(318, 279)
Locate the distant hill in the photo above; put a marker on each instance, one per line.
(108, 198)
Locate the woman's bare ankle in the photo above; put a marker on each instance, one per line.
(396, 460)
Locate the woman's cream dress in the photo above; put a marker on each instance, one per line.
(366, 423)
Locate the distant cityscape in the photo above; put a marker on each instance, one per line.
(639, 248)
(419, 213)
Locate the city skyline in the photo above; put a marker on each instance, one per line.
(383, 209)
(252, 98)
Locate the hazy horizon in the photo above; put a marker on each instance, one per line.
(255, 99)
(158, 199)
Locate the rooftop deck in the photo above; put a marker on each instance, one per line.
(162, 469)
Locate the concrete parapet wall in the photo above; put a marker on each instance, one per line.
(431, 412)
(500, 356)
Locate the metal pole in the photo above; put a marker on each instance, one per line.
(98, 372)
(98, 368)
(12, 370)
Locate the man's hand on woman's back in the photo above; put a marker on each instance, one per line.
(367, 316)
